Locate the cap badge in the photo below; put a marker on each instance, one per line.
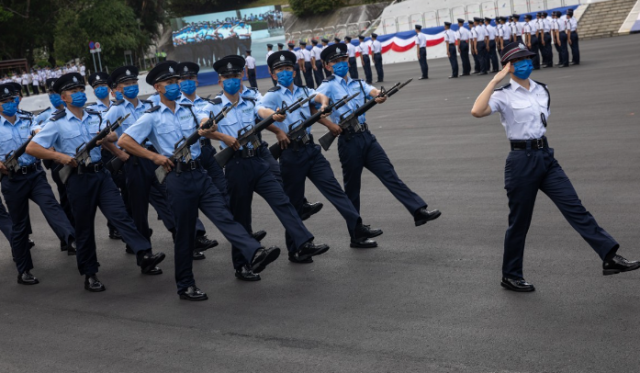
(75, 80)
(186, 69)
(282, 58)
(229, 66)
(338, 50)
(171, 69)
(128, 72)
(6, 91)
(98, 77)
(521, 47)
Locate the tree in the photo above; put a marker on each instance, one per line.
(303, 8)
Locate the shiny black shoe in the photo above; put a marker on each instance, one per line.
(153, 271)
(150, 261)
(263, 257)
(295, 258)
(309, 250)
(519, 285)
(114, 234)
(31, 244)
(193, 294)
(422, 78)
(203, 243)
(422, 216)
(199, 255)
(483, 73)
(309, 209)
(365, 231)
(617, 265)
(246, 274)
(71, 247)
(365, 243)
(129, 250)
(26, 278)
(94, 285)
(259, 235)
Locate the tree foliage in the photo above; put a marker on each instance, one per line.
(303, 8)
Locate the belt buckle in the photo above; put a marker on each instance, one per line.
(24, 170)
(540, 143)
(96, 167)
(192, 165)
(249, 152)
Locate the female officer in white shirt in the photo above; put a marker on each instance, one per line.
(531, 166)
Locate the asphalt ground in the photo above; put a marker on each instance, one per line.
(426, 300)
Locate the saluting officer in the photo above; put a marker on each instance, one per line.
(531, 166)
(302, 158)
(421, 52)
(249, 172)
(188, 185)
(464, 35)
(351, 51)
(572, 37)
(376, 49)
(89, 186)
(450, 38)
(316, 64)
(364, 49)
(28, 182)
(358, 147)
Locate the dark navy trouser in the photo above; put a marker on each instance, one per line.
(453, 59)
(362, 150)
(308, 74)
(482, 56)
(5, 222)
(17, 193)
(424, 67)
(62, 192)
(377, 61)
(86, 193)
(297, 80)
(564, 51)
(492, 56)
(548, 49)
(367, 69)
(248, 175)
(215, 172)
(188, 192)
(353, 68)
(318, 74)
(308, 162)
(526, 172)
(575, 48)
(464, 57)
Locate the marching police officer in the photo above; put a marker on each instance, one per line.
(98, 81)
(365, 50)
(188, 185)
(450, 38)
(89, 186)
(531, 166)
(316, 64)
(421, 52)
(464, 35)
(27, 182)
(376, 50)
(301, 157)
(248, 172)
(358, 147)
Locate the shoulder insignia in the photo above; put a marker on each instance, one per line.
(57, 115)
(155, 108)
(215, 101)
(542, 84)
(186, 105)
(118, 102)
(329, 78)
(91, 111)
(253, 89)
(147, 102)
(24, 112)
(253, 100)
(503, 87)
(274, 89)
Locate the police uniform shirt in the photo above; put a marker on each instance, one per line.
(363, 48)
(306, 55)
(351, 50)
(269, 53)
(44, 116)
(481, 32)
(336, 88)
(243, 31)
(539, 24)
(164, 128)
(463, 34)
(421, 40)
(243, 115)
(520, 110)
(450, 36)
(561, 25)
(274, 98)
(376, 46)
(491, 31)
(13, 135)
(519, 27)
(99, 106)
(315, 52)
(572, 24)
(546, 24)
(69, 133)
(250, 62)
(198, 105)
(116, 112)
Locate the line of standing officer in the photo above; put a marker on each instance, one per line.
(421, 52)
(490, 40)
(463, 36)
(305, 64)
(450, 39)
(316, 64)
(376, 49)
(351, 51)
(364, 48)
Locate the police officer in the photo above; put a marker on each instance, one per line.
(89, 186)
(298, 75)
(54, 99)
(305, 64)
(531, 166)
(269, 53)
(518, 28)
(562, 40)
(251, 69)
(351, 51)
(28, 182)
(365, 50)
(481, 45)
(474, 47)
(546, 41)
(98, 81)
(450, 38)
(491, 57)
(421, 52)
(572, 37)
(188, 185)
(301, 157)
(280, 46)
(316, 64)
(531, 39)
(464, 35)
(248, 172)
(376, 50)
(358, 147)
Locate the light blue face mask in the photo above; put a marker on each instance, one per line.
(9, 108)
(285, 78)
(56, 100)
(522, 69)
(172, 92)
(119, 96)
(341, 69)
(231, 86)
(131, 91)
(101, 92)
(78, 99)
(188, 87)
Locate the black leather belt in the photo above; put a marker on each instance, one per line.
(377, 53)
(187, 166)
(357, 127)
(91, 168)
(246, 153)
(534, 144)
(205, 142)
(299, 143)
(24, 170)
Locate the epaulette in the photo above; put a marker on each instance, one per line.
(147, 102)
(253, 88)
(220, 94)
(89, 104)
(503, 87)
(24, 112)
(215, 101)
(155, 108)
(118, 102)
(274, 89)
(93, 112)
(186, 105)
(329, 78)
(57, 115)
(253, 100)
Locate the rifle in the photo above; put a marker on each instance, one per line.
(300, 131)
(11, 159)
(249, 135)
(182, 148)
(327, 139)
(83, 156)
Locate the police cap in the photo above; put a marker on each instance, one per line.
(163, 71)
(281, 58)
(230, 64)
(6, 91)
(98, 78)
(333, 52)
(67, 82)
(514, 50)
(124, 74)
(188, 69)
(49, 83)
